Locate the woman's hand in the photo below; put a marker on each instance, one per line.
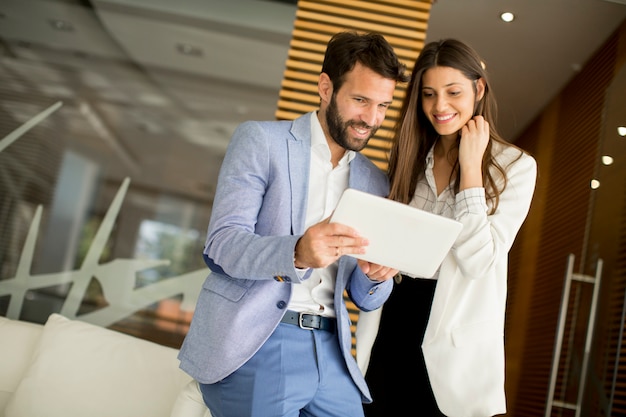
(376, 272)
(474, 140)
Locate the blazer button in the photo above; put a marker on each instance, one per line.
(281, 304)
(282, 278)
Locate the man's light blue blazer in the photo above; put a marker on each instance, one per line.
(257, 216)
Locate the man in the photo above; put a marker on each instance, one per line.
(270, 334)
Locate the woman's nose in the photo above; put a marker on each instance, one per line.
(441, 103)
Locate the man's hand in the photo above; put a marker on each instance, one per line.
(324, 243)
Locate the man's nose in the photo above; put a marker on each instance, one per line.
(370, 115)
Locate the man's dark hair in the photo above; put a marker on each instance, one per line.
(372, 50)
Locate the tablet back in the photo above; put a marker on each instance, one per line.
(401, 237)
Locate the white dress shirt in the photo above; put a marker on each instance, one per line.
(326, 184)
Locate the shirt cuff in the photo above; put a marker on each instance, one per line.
(471, 201)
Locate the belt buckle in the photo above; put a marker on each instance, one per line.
(301, 319)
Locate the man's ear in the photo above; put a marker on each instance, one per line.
(325, 87)
(480, 89)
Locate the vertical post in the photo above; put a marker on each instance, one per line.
(559, 334)
(589, 336)
(609, 408)
(569, 277)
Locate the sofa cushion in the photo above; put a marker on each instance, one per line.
(18, 340)
(80, 369)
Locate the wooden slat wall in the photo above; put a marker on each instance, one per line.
(607, 241)
(402, 22)
(565, 139)
(613, 345)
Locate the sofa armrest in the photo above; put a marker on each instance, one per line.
(189, 402)
(19, 340)
(79, 369)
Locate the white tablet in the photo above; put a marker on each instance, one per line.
(401, 237)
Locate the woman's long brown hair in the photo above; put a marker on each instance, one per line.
(414, 135)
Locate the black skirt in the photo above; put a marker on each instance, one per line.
(396, 374)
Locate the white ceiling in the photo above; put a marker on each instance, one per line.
(120, 65)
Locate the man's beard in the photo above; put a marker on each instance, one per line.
(338, 128)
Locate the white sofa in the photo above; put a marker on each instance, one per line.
(69, 368)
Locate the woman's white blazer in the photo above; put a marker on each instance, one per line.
(464, 341)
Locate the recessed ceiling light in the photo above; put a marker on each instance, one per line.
(507, 16)
(595, 184)
(607, 160)
(186, 49)
(61, 25)
(621, 130)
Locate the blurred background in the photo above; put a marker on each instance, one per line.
(110, 192)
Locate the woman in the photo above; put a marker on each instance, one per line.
(440, 347)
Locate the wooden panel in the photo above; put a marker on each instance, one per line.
(402, 22)
(568, 129)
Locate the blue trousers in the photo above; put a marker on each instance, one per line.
(296, 373)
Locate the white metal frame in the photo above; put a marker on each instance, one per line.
(569, 277)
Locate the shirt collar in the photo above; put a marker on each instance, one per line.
(430, 158)
(318, 141)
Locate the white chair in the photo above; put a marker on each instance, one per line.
(189, 402)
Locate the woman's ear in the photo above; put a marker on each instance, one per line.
(324, 87)
(480, 89)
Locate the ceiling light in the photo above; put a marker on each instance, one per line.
(595, 184)
(507, 17)
(61, 25)
(186, 49)
(621, 130)
(607, 160)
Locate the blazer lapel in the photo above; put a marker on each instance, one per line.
(359, 175)
(298, 161)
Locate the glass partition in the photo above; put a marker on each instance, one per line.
(605, 383)
(106, 186)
